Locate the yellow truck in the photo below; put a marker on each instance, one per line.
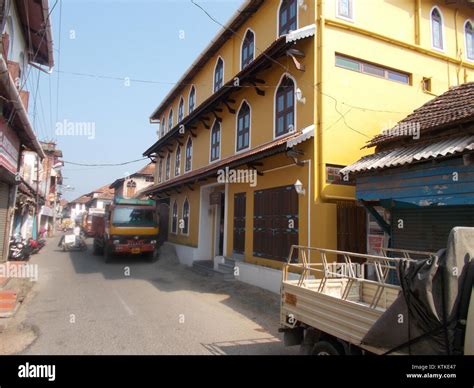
(129, 227)
(343, 303)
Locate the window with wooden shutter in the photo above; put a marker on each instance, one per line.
(287, 16)
(219, 75)
(285, 107)
(216, 141)
(240, 201)
(189, 155)
(243, 127)
(276, 223)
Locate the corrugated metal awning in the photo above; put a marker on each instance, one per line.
(306, 134)
(410, 154)
(301, 33)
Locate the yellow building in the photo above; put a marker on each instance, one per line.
(252, 137)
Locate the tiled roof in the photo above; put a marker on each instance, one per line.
(417, 152)
(81, 199)
(149, 169)
(454, 107)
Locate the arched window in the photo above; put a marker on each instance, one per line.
(168, 167)
(160, 171)
(285, 107)
(469, 41)
(174, 219)
(131, 186)
(219, 75)
(215, 141)
(192, 99)
(181, 110)
(287, 16)
(248, 49)
(163, 125)
(185, 229)
(243, 127)
(177, 162)
(437, 29)
(170, 120)
(189, 155)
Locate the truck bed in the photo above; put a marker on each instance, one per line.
(348, 319)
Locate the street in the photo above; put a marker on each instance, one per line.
(80, 305)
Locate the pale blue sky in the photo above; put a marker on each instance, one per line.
(118, 39)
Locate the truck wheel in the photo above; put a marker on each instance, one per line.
(324, 348)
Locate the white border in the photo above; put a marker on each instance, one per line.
(278, 18)
(443, 40)
(189, 97)
(166, 162)
(237, 128)
(170, 113)
(465, 39)
(210, 141)
(352, 7)
(185, 147)
(179, 104)
(214, 75)
(189, 217)
(275, 103)
(242, 45)
(175, 158)
(177, 218)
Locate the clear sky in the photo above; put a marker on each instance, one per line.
(138, 40)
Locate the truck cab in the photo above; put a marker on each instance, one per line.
(130, 227)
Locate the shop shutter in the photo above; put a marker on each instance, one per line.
(240, 200)
(427, 229)
(4, 193)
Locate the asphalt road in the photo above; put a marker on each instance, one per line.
(81, 305)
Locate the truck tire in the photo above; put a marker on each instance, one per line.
(324, 348)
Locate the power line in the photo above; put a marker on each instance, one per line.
(104, 164)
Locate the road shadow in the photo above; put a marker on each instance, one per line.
(258, 305)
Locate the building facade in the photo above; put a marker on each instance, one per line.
(424, 186)
(19, 50)
(253, 136)
(135, 183)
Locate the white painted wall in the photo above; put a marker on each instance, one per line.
(17, 49)
(263, 277)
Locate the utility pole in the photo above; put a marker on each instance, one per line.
(55, 204)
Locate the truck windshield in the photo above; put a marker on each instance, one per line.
(129, 216)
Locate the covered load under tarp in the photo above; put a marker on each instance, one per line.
(428, 316)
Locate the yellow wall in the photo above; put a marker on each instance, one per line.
(264, 26)
(262, 113)
(358, 106)
(355, 106)
(193, 197)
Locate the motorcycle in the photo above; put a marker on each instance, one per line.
(36, 245)
(19, 249)
(71, 242)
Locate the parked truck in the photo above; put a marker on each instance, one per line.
(343, 303)
(129, 227)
